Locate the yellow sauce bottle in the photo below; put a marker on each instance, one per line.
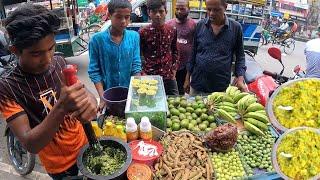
(109, 129)
(145, 129)
(132, 130)
(96, 128)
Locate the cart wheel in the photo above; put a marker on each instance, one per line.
(92, 29)
(289, 46)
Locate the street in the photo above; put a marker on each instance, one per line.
(267, 63)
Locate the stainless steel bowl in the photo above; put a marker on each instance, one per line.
(269, 107)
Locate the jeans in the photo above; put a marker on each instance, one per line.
(171, 87)
(180, 77)
(72, 171)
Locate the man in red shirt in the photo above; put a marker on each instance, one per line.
(185, 29)
(159, 46)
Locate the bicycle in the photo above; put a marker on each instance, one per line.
(286, 40)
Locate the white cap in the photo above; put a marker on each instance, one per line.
(131, 125)
(145, 124)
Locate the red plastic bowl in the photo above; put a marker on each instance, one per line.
(148, 160)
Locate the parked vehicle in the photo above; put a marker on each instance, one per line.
(22, 161)
(262, 82)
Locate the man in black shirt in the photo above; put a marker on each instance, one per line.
(216, 40)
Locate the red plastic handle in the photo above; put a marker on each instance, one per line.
(70, 74)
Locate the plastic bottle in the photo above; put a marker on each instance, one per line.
(145, 129)
(132, 130)
(96, 129)
(109, 129)
(120, 133)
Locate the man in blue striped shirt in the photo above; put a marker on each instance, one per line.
(114, 53)
(312, 53)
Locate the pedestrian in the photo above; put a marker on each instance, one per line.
(185, 28)
(159, 46)
(42, 112)
(217, 39)
(312, 52)
(114, 53)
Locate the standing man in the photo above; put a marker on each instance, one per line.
(216, 40)
(159, 46)
(185, 28)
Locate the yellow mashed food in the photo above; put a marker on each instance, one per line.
(304, 97)
(302, 159)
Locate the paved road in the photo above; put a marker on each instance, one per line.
(290, 61)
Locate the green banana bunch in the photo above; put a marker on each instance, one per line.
(215, 97)
(253, 129)
(255, 107)
(226, 116)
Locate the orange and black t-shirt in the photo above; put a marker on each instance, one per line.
(35, 95)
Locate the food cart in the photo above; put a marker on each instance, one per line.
(234, 137)
(67, 39)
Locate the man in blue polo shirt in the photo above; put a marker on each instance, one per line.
(216, 40)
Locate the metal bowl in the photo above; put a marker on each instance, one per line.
(276, 145)
(269, 107)
(106, 141)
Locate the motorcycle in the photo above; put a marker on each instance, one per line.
(22, 161)
(262, 82)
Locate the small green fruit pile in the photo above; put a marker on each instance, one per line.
(186, 115)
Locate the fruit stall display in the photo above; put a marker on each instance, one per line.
(295, 104)
(146, 97)
(225, 135)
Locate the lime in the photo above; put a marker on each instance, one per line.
(169, 122)
(171, 102)
(174, 112)
(171, 106)
(183, 103)
(204, 110)
(198, 112)
(169, 130)
(190, 109)
(211, 119)
(187, 114)
(204, 117)
(182, 110)
(194, 105)
(194, 115)
(175, 121)
(206, 123)
(202, 127)
(208, 129)
(174, 117)
(198, 98)
(175, 126)
(182, 116)
(199, 121)
(213, 125)
(193, 122)
(184, 123)
(196, 129)
(190, 118)
(190, 126)
(201, 105)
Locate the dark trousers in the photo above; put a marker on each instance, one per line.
(171, 87)
(181, 77)
(72, 171)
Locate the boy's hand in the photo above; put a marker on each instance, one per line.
(88, 112)
(72, 97)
